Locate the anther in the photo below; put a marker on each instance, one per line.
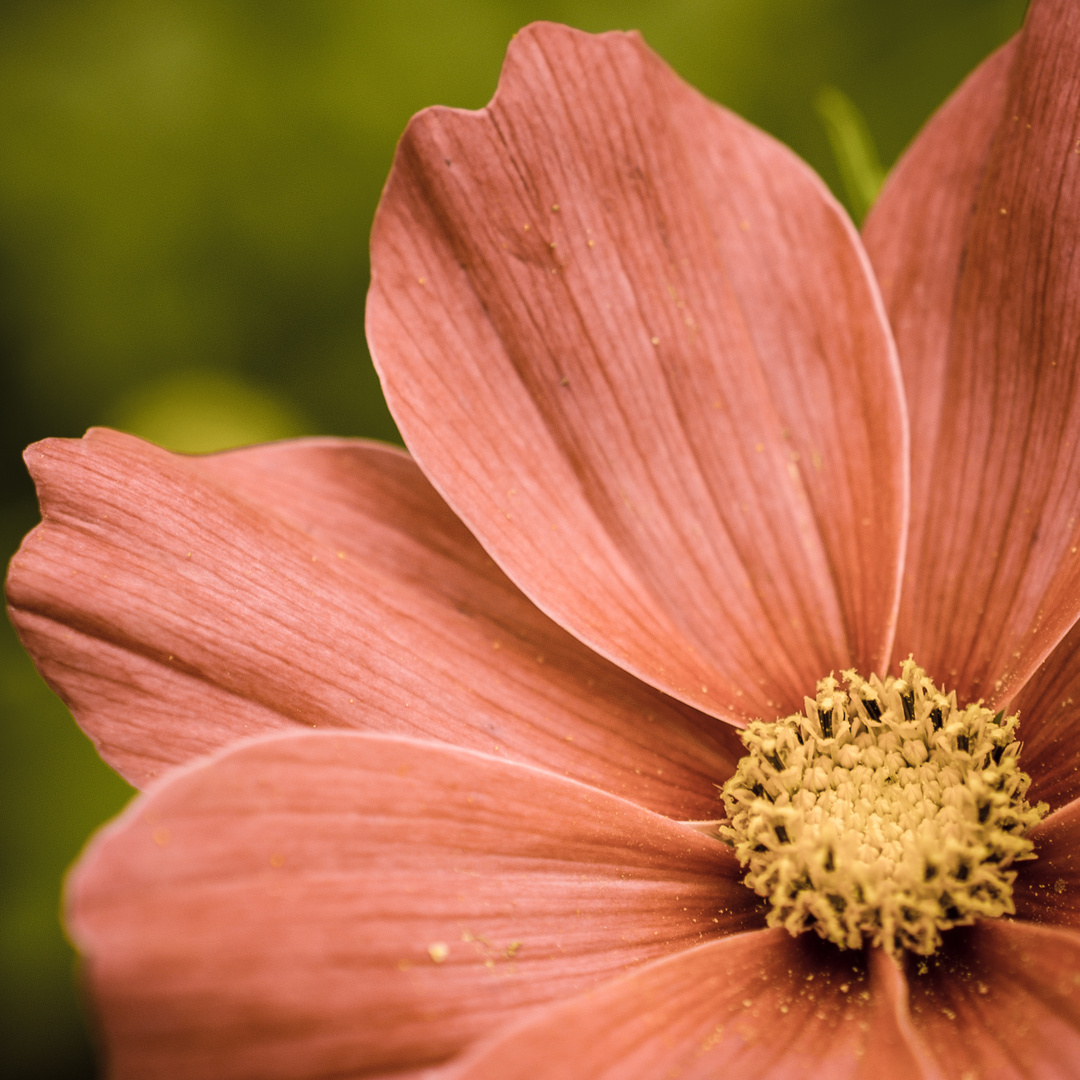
(897, 816)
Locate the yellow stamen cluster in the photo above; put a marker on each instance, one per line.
(883, 815)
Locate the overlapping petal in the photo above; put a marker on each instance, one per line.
(638, 348)
(1011, 990)
(759, 1006)
(336, 904)
(916, 235)
(636, 345)
(1047, 890)
(975, 238)
(180, 603)
(1049, 708)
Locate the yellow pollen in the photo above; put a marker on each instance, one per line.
(883, 815)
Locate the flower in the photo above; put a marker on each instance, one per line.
(641, 352)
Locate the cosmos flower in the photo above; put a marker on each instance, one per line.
(423, 787)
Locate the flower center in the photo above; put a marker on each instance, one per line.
(883, 815)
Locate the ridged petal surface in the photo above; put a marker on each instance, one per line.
(1047, 889)
(1001, 1001)
(760, 1006)
(975, 241)
(179, 604)
(636, 345)
(337, 904)
(1049, 708)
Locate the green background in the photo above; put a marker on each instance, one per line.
(186, 190)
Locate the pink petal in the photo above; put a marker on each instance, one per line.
(754, 1006)
(1049, 708)
(180, 603)
(332, 904)
(1001, 1001)
(974, 240)
(1047, 889)
(916, 235)
(637, 346)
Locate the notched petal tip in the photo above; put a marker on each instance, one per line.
(179, 603)
(337, 904)
(637, 347)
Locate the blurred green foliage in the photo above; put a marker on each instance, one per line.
(853, 148)
(186, 188)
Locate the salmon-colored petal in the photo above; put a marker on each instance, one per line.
(974, 239)
(178, 604)
(1049, 708)
(1001, 1001)
(1047, 889)
(894, 1050)
(916, 235)
(637, 346)
(341, 904)
(760, 1006)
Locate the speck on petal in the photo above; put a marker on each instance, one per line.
(178, 604)
(426, 894)
(985, 310)
(1001, 999)
(759, 1005)
(624, 396)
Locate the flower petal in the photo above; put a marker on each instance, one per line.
(637, 346)
(1001, 1000)
(331, 904)
(894, 1048)
(178, 604)
(760, 1006)
(916, 236)
(974, 237)
(1047, 889)
(1049, 708)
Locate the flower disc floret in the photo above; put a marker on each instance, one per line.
(884, 814)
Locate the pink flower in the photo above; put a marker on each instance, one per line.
(397, 817)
